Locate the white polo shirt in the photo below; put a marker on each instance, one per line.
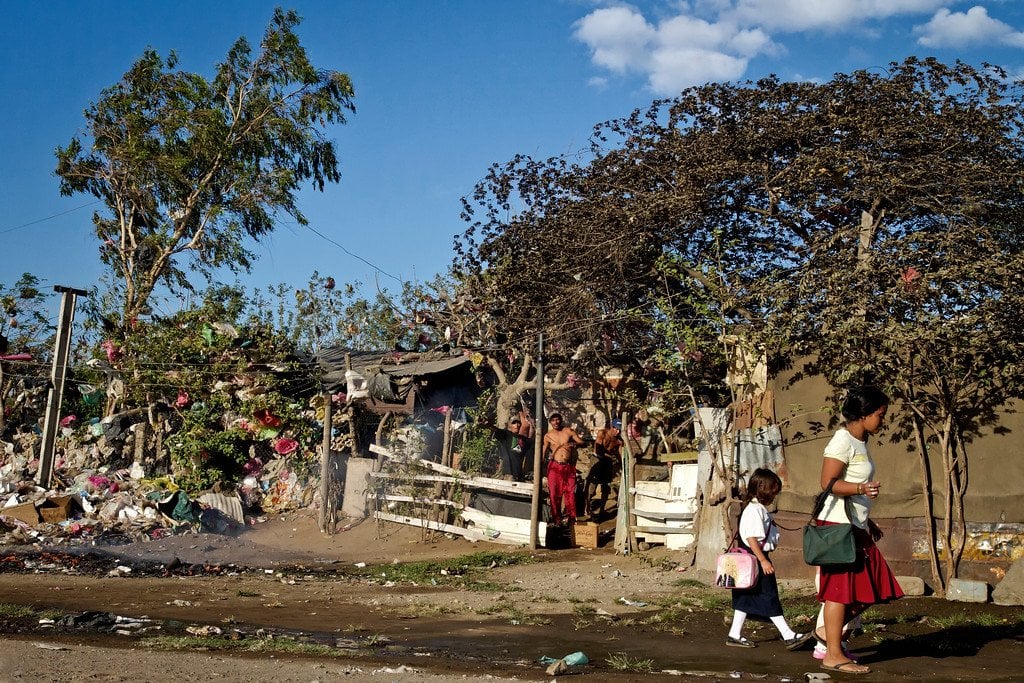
(859, 469)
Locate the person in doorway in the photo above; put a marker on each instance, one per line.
(846, 591)
(607, 447)
(560, 444)
(759, 534)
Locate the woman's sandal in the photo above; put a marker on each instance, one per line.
(846, 667)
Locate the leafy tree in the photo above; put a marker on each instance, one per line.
(189, 168)
(868, 223)
(25, 327)
(326, 313)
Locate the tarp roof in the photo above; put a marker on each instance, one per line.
(391, 363)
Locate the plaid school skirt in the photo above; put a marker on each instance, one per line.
(868, 581)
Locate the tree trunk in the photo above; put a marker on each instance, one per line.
(929, 512)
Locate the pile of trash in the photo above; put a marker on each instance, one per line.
(102, 505)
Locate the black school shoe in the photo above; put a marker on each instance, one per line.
(799, 640)
(739, 642)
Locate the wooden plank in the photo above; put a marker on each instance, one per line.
(524, 489)
(662, 515)
(422, 523)
(422, 500)
(662, 529)
(466, 482)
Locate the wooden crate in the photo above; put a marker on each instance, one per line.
(585, 535)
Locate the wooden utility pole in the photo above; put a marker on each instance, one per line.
(538, 445)
(328, 504)
(58, 373)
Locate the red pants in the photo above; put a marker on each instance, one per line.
(562, 491)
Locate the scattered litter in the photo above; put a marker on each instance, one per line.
(183, 603)
(204, 630)
(632, 603)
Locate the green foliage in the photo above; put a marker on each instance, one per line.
(216, 376)
(25, 327)
(326, 313)
(191, 168)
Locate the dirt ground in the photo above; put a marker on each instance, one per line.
(282, 581)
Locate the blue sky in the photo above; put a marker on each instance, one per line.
(443, 89)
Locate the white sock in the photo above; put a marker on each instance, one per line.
(784, 630)
(738, 618)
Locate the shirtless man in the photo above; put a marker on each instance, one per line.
(559, 444)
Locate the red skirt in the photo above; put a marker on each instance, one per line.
(869, 581)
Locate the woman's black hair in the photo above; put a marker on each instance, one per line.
(762, 484)
(862, 401)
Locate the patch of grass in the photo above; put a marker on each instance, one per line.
(9, 611)
(578, 601)
(252, 645)
(689, 583)
(243, 593)
(354, 628)
(964, 619)
(580, 610)
(425, 609)
(621, 661)
(460, 571)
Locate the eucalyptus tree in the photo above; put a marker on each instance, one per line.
(188, 168)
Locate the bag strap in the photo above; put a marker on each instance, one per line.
(819, 502)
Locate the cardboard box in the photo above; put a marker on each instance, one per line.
(585, 535)
(57, 509)
(26, 512)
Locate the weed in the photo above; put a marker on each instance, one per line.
(689, 583)
(963, 619)
(9, 611)
(457, 571)
(249, 645)
(354, 628)
(620, 661)
(424, 609)
(583, 610)
(243, 593)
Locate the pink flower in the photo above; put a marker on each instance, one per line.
(284, 446)
(68, 421)
(182, 400)
(909, 278)
(113, 353)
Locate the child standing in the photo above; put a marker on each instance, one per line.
(759, 534)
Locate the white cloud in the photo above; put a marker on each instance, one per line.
(676, 68)
(713, 40)
(678, 52)
(958, 29)
(619, 37)
(803, 15)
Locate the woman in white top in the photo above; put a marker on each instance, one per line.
(846, 591)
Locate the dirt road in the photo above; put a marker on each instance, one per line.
(283, 602)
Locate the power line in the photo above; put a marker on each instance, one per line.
(353, 255)
(48, 218)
